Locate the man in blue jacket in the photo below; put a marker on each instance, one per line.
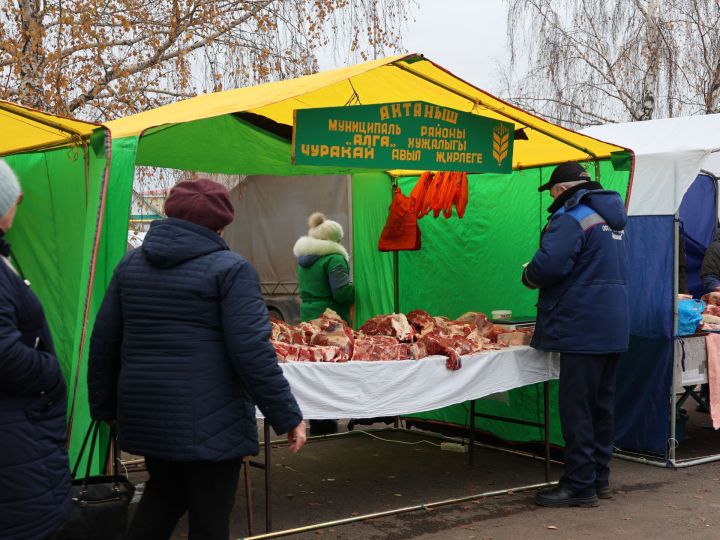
(179, 357)
(582, 313)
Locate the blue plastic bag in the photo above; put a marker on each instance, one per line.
(689, 316)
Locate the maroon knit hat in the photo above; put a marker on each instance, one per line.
(202, 202)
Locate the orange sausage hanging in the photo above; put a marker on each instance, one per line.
(451, 194)
(419, 193)
(439, 198)
(462, 195)
(432, 193)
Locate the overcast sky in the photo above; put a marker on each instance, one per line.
(466, 37)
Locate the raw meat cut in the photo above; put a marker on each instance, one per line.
(395, 325)
(440, 342)
(374, 348)
(281, 331)
(288, 352)
(480, 320)
(393, 337)
(421, 320)
(334, 332)
(514, 338)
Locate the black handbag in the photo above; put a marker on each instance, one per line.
(100, 503)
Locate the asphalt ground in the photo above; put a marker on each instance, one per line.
(357, 474)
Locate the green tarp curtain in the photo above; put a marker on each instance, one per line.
(469, 264)
(222, 144)
(54, 238)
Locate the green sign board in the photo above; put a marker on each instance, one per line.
(407, 135)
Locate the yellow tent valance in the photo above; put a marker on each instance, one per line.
(23, 129)
(394, 79)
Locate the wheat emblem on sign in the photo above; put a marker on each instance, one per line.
(501, 143)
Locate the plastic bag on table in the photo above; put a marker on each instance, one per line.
(689, 316)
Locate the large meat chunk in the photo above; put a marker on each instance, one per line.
(421, 321)
(452, 346)
(378, 348)
(333, 332)
(481, 342)
(308, 331)
(395, 325)
(288, 352)
(477, 319)
(514, 338)
(281, 331)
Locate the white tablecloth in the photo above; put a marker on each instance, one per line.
(369, 389)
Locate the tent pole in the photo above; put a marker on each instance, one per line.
(476, 101)
(396, 258)
(93, 266)
(676, 277)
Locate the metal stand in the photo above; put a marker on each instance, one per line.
(425, 506)
(689, 391)
(268, 471)
(545, 425)
(267, 467)
(248, 495)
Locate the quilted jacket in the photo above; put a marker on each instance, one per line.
(581, 271)
(179, 354)
(34, 473)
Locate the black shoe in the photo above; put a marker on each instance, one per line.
(562, 497)
(603, 492)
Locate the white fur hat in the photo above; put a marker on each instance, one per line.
(9, 188)
(323, 228)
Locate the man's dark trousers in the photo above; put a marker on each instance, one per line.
(587, 403)
(205, 489)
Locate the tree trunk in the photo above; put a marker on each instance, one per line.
(32, 55)
(652, 54)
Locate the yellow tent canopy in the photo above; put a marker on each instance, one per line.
(24, 129)
(393, 79)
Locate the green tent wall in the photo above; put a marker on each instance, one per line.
(71, 232)
(61, 247)
(469, 264)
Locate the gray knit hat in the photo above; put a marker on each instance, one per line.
(9, 188)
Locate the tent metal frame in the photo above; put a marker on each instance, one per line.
(266, 467)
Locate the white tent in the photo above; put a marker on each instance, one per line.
(669, 153)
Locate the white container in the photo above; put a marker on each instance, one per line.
(501, 314)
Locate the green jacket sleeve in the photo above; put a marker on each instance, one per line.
(338, 273)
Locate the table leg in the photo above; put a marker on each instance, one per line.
(268, 486)
(546, 414)
(471, 450)
(248, 495)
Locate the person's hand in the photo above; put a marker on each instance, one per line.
(297, 437)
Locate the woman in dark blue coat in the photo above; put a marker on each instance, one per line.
(34, 471)
(179, 357)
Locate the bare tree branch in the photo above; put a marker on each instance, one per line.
(100, 60)
(587, 60)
